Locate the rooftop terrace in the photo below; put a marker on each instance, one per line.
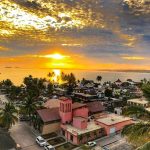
(90, 127)
(139, 101)
(113, 119)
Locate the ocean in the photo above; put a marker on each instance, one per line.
(17, 74)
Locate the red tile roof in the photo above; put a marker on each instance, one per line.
(78, 105)
(52, 103)
(48, 115)
(95, 107)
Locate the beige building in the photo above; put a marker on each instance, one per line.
(138, 102)
(50, 120)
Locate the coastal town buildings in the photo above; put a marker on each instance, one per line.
(138, 102)
(73, 122)
(113, 123)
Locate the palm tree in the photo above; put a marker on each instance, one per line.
(29, 107)
(144, 147)
(88, 135)
(8, 116)
(80, 138)
(99, 78)
(139, 133)
(137, 111)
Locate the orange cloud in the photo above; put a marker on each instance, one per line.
(2, 48)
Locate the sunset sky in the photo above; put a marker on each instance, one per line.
(75, 34)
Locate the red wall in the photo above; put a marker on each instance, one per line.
(82, 112)
(118, 126)
(78, 123)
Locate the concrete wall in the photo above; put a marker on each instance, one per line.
(49, 128)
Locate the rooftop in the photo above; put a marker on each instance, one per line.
(48, 115)
(148, 109)
(90, 127)
(113, 119)
(80, 118)
(85, 95)
(64, 99)
(95, 107)
(52, 103)
(139, 101)
(78, 105)
(3, 99)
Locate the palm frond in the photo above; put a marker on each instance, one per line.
(144, 147)
(137, 133)
(136, 110)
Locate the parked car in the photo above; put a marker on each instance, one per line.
(91, 144)
(49, 147)
(40, 141)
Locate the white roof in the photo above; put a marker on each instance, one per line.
(3, 99)
(148, 109)
(138, 101)
(113, 119)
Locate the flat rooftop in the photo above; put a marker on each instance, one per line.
(148, 109)
(80, 118)
(113, 119)
(85, 95)
(90, 127)
(139, 101)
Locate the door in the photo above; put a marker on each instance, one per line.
(112, 130)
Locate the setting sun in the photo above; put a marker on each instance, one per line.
(56, 56)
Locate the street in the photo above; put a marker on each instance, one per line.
(24, 136)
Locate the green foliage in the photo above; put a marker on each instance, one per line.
(34, 86)
(8, 116)
(137, 111)
(50, 88)
(146, 90)
(138, 133)
(80, 137)
(145, 147)
(70, 81)
(29, 106)
(7, 83)
(99, 78)
(108, 92)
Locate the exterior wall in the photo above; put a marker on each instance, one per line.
(49, 128)
(82, 112)
(137, 104)
(65, 110)
(81, 124)
(85, 137)
(118, 126)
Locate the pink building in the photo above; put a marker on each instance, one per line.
(113, 123)
(75, 125)
(73, 121)
(65, 110)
